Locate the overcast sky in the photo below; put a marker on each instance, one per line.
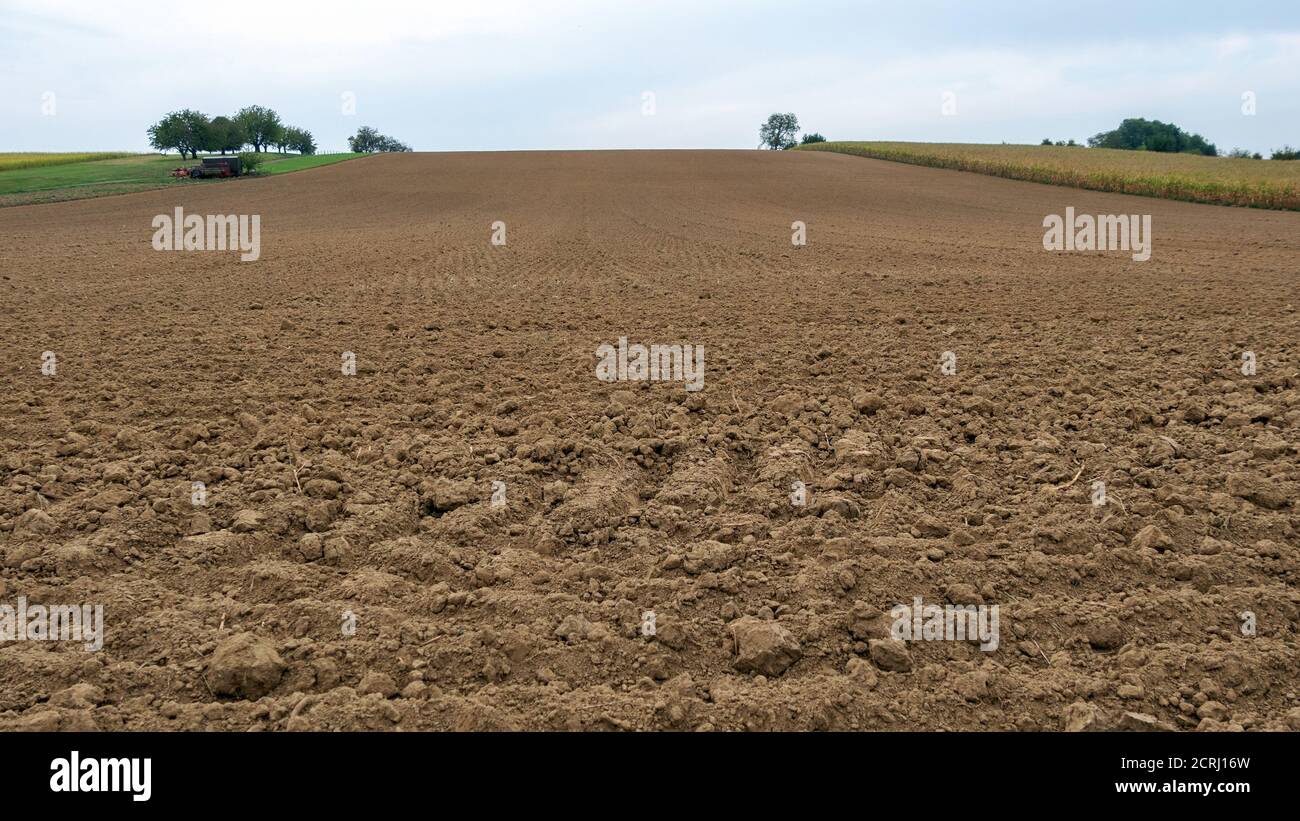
(512, 74)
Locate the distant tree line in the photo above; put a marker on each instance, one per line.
(1138, 134)
(188, 132)
(370, 141)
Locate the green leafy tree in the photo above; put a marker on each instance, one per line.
(262, 126)
(809, 139)
(778, 132)
(250, 162)
(299, 140)
(165, 135)
(1286, 152)
(1137, 134)
(224, 134)
(365, 141)
(369, 141)
(186, 131)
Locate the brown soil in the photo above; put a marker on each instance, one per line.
(371, 494)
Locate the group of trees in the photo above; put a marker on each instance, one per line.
(370, 141)
(189, 132)
(1286, 152)
(778, 133)
(1138, 134)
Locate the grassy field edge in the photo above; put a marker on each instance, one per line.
(64, 182)
(289, 165)
(1241, 194)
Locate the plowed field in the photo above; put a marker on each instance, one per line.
(471, 530)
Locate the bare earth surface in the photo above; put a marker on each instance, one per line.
(370, 495)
